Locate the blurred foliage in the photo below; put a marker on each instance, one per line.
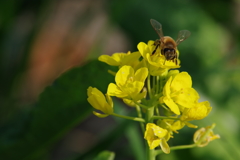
(60, 107)
(210, 55)
(105, 155)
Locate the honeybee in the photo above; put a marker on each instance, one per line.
(168, 45)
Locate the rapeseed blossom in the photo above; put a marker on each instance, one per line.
(164, 97)
(100, 102)
(205, 135)
(129, 84)
(156, 136)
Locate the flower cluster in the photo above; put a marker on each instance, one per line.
(162, 95)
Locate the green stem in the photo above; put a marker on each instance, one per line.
(154, 86)
(157, 84)
(139, 113)
(157, 111)
(131, 118)
(163, 117)
(149, 86)
(141, 105)
(151, 154)
(159, 151)
(149, 115)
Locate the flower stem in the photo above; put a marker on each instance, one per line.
(131, 118)
(138, 109)
(149, 86)
(163, 117)
(157, 84)
(149, 115)
(141, 105)
(151, 154)
(159, 151)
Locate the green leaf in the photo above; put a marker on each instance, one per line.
(105, 155)
(61, 107)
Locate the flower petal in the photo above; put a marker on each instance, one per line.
(164, 146)
(187, 97)
(100, 115)
(181, 80)
(199, 111)
(123, 75)
(96, 98)
(141, 74)
(143, 49)
(155, 143)
(166, 88)
(173, 106)
(132, 89)
(109, 60)
(131, 58)
(114, 90)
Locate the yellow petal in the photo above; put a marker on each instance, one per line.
(199, 111)
(89, 91)
(155, 143)
(108, 107)
(164, 146)
(181, 80)
(136, 87)
(131, 58)
(114, 90)
(140, 96)
(187, 97)
(96, 103)
(151, 45)
(143, 49)
(124, 74)
(94, 91)
(129, 102)
(109, 100)
(155, 60)
(119, 56)
(172, 73)
(173, 106)
(109, 60)
(177, 125)
(100, 115)
(166, 88)
(96, 98)
(141, 74)
(159, 132)
(206, 133)
(157, 71)
(190, 125)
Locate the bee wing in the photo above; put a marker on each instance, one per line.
(182, 35)
(157, 27)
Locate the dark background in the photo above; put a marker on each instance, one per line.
(48, 52)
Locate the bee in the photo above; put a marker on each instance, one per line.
(167, 44)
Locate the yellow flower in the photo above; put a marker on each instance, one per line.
(99, 102)
(128, 83)
(199, 111)
(205, 135)
(157, 63)
(171, 125)
(178, 93)
(121, 59)
(155, 136)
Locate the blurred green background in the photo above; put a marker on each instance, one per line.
(48, 51)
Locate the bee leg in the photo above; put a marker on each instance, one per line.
(176, 59)
(155, 49)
